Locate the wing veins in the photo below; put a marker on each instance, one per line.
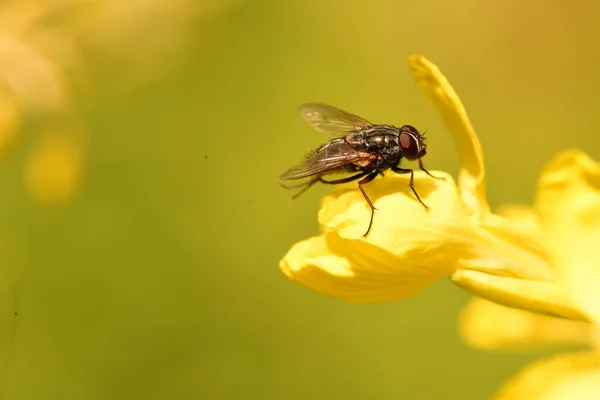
(326, 159)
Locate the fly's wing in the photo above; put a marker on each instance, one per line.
(331, 120)
(327, 159)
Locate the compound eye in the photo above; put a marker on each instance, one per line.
(409, 144)
(409, 128)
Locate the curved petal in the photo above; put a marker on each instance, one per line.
(353, 270)
(539, 297)
(487, 325)
(522, 256)
(471, 181)
(551, 376)
(568, 203)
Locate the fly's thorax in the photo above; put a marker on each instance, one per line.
(378, 142)
(377, 139)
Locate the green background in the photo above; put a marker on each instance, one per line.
(160, 280)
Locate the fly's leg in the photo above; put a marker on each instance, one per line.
(304, 185)
(399, 170)
(367, 176)
(427, 172)
(345, 180)
(368, 179)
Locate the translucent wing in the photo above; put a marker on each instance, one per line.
(327, 158)
(328, 119)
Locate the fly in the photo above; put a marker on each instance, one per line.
(360, 148)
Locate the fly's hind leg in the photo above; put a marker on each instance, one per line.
(304, 185)
(345, 180)
(399, 170)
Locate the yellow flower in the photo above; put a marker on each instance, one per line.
(528, 265)
(408, 247)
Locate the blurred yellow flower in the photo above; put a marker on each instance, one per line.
(54, 173)
(47, 47)
(10, 119)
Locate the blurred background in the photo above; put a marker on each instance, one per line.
(141, 221)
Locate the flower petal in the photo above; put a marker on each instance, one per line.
(568, 203)
(471, 181)
(324, 264)
(406, 249)
(399, 219)
(522, 256)
(549, 377)
(584, 385)
(522, 218)
(487, 325)
(539, 297)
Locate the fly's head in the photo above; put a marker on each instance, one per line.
(412, 143)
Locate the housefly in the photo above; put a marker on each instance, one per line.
(359, 147)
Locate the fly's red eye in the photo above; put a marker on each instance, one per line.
(409, 144)
(409, 128)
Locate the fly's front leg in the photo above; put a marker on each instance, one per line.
(399, 170)
(427, 172)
